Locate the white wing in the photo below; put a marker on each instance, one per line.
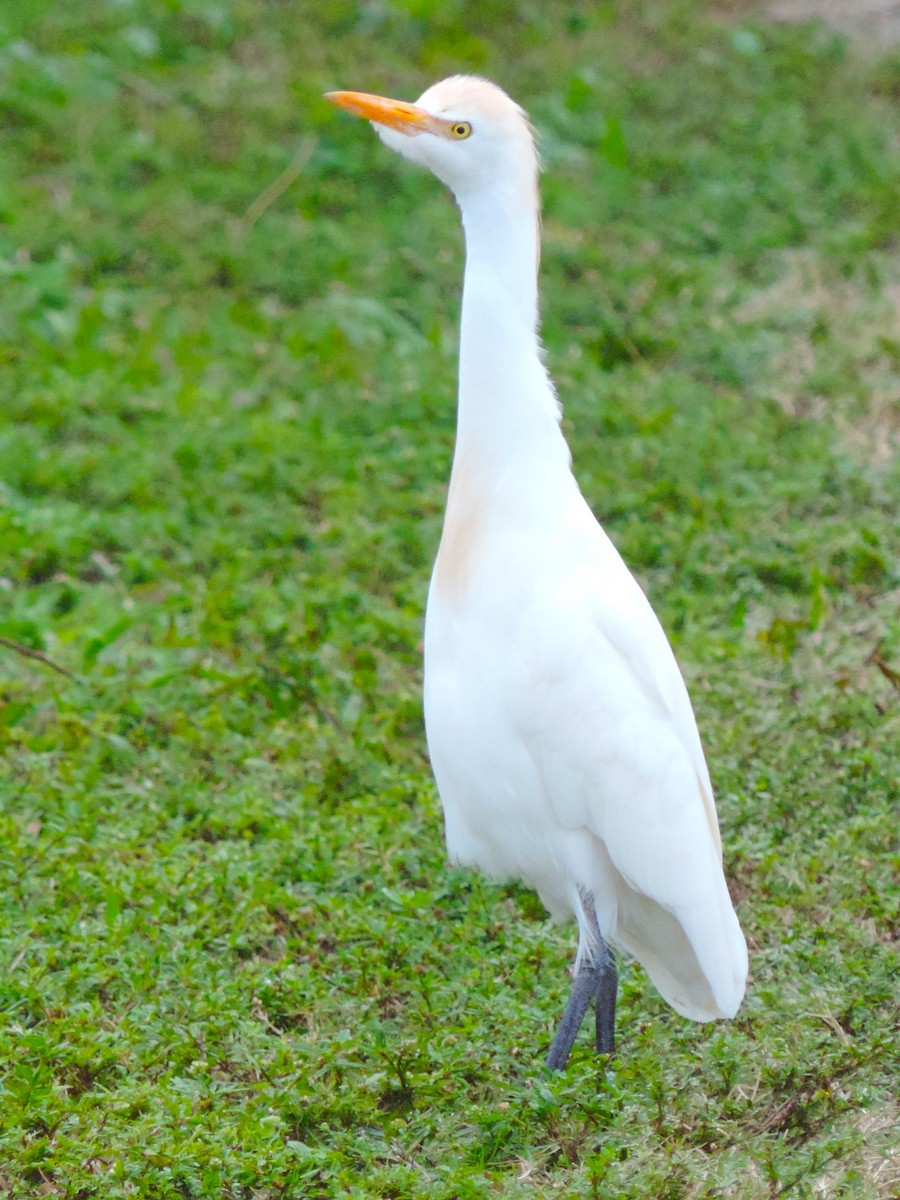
(581, 746)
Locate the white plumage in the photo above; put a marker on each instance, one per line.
(560, 731)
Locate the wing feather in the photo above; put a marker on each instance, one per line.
(617, 746)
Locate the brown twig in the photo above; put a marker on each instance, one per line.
(37, 655)
(876, 659)
(145, 89)
(279, 185)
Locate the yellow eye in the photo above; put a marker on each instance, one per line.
(460, 130)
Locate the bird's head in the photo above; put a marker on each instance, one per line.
(464, 129)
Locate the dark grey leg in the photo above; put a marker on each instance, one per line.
(584, 989)
(596, 980)
(605, 999)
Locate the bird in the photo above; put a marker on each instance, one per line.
(559, 727)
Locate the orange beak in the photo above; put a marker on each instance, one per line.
(395, 114)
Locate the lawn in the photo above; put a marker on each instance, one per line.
(234, 962)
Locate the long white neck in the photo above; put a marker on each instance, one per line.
(506, 402)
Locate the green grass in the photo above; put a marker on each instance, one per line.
(234, 961)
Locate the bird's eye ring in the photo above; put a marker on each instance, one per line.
(460, 130)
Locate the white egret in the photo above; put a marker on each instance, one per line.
(559, 727)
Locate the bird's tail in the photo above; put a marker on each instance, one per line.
(696, 956)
